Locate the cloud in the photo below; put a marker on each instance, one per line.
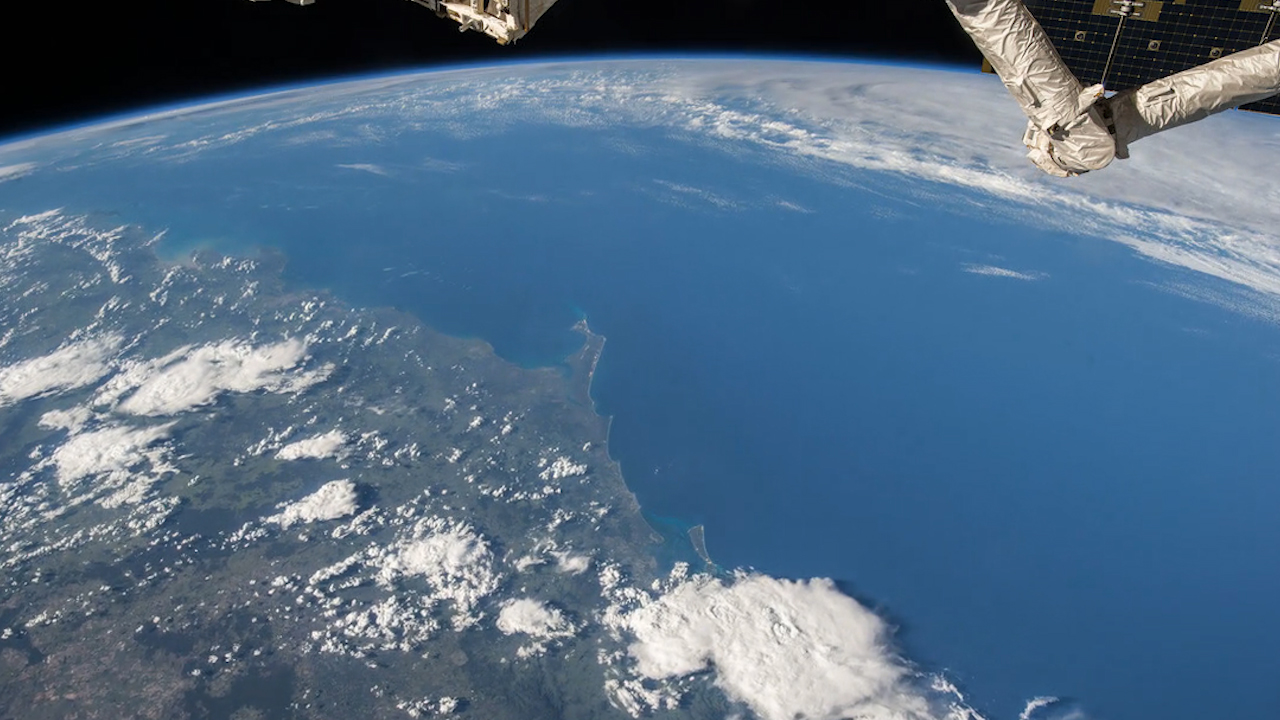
(567, 562)
(333, 500)
(531, 617)
(793, 207)
(367, 167)
(13, 172)
(680, 194)
(995, 271)
(451, 557)
(536, 620)
(74, 365)
(1051, 708)
(114, 459)
(560, 468)
(191, 377)
(108, 450)
(72, 419)
(787, 649)
(326, 445)
(1035, 704)
(441, 166)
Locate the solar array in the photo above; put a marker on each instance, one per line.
(1126, 43)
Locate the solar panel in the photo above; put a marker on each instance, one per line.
(1126, 43)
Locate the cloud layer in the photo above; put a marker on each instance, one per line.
(1195, 197)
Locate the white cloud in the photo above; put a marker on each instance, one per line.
(441, 166)
(786, 649)
(679, 194)
(560, 468)
(1035, 704)
(107, 450)
(333, 500)
(541, 623)
(366, 167)
(567, 562)
(189, 378)
(72, 366)
(794, 207)
(996, 271)
(13, 172)
(531, 617)
(451, 557)
(326, 445)
(1051, 708)
(122, 462)
(73, 419)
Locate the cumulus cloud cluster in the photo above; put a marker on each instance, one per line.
(332, 501)
(787, 649)
(122, 463)
(531, 617)
(535, 619)
(560, 468)
(316, 447)
(436, 570)
(111, 449)
(72, 419)
(451, 557)
(191, 377)
(125, 461)
(74, 365)
(116, 463)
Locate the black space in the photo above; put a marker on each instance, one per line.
(70, 62)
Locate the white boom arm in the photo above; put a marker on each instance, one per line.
(504, 20)
(1073, 129)
(1228, 82)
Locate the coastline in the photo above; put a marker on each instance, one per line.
(582, 368)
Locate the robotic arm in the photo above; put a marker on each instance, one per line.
(503, 20)
(1072, 129)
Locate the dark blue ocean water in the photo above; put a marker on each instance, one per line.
(1061, 487)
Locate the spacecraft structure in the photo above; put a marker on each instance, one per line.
(1123, 45)
(504, 20)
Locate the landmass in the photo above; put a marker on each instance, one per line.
(227, 498)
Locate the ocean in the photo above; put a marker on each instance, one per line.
(1050, 470)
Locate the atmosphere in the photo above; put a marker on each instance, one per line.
(121, 57)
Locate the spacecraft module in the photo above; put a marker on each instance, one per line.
(504, 20)
(1152, 66)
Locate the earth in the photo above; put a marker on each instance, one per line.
(306, 409)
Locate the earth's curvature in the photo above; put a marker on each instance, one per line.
(306, 409)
